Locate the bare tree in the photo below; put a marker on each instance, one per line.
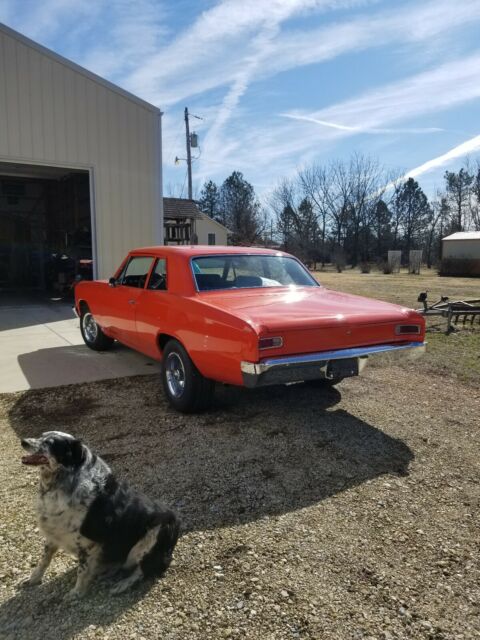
(284, 203)
(367, 185)
(315, 185)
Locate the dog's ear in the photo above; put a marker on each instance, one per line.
(77, 452)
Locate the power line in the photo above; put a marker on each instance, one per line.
(184, 181)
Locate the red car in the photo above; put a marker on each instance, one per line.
(237, 315)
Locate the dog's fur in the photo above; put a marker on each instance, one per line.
(83, 510)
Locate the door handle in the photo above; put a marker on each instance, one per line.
(131, 302)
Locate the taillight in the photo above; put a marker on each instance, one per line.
(270, 343)
(407, 329)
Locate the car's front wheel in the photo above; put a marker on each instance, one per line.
(185, 387)
(92, 333)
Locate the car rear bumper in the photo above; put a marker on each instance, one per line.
(311, 366)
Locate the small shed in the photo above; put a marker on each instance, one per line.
(463, 244)
(461, 254)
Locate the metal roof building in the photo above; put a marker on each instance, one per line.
(80, 169)
(462, 245)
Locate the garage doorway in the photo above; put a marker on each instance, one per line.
(45, 228)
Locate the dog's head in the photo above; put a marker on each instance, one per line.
(53, 450)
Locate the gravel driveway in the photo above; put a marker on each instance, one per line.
(306, 513)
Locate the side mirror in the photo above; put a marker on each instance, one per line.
(112, 282)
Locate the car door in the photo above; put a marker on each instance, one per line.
(153, 309)
(125, 297)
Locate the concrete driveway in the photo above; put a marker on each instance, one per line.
(41, 346)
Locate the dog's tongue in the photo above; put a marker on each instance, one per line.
(35, 459)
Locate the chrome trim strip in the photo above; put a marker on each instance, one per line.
(257, 368)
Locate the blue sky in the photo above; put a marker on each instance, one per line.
(283, 83)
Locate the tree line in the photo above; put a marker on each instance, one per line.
(348, 211)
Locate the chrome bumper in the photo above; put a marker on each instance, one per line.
(312, 366)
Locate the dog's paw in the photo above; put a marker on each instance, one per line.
(33, 581)
(120, 587)
(73, 594)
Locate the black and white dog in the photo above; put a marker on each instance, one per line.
(83, 510)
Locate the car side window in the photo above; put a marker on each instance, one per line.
(135, 275)
(158, 279)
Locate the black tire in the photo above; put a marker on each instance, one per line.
(184, 386)
(92, 333)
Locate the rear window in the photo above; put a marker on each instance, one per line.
(245, 272)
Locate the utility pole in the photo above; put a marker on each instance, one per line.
(189, 156)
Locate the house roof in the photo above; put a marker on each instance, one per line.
(215, 222)
(464, 235)
(76, 67)
(180, 208)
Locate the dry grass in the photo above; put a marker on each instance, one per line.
(456, 355)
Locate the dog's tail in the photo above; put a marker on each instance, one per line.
(158, 559)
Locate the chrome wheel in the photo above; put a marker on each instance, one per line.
(90, 327)
(175, 374)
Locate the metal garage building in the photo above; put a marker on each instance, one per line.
(80, 169)
(461, 254)
(462, 244)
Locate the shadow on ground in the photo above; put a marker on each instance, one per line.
(259, 453)
(262, 452)
(55, 366)
(27, 311)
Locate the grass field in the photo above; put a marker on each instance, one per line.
(457, 354)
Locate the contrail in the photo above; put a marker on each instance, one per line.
(343, 127)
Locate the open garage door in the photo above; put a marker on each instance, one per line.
(45, 228)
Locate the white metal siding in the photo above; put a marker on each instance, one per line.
(461, 249)
(56, 114)
(205, 225)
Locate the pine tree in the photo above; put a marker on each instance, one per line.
(240, 209)
(209, 201)
(413, 212)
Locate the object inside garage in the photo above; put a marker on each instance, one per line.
(45, 228)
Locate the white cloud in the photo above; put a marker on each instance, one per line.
(109, 38)
(212, 51)
(371, 113)
(258, 51)
(294, 141)
(360, 129)
(460, 151)
(440, 88)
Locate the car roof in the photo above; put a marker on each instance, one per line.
(203, 250)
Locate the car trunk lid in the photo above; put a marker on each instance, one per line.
(316, 318)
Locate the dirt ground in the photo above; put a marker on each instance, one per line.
(317, 514)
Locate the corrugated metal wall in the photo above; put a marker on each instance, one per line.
(52, 112)
(461, 249)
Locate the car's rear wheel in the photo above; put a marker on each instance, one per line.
(185, 387)
(92, 333)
